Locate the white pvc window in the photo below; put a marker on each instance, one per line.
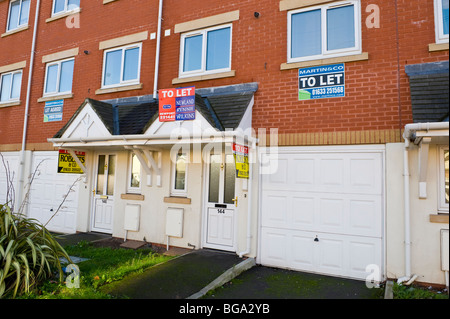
(121, 66)
(59, 77)
(441, 9)
(206, 51)
(134, 174)
(325, 31)
(443, 179)
(62, 6)
(10, 84)
(19, 11)
(179, 175)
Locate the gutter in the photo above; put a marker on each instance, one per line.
(27, 107)
(410, 129)
(141, 137)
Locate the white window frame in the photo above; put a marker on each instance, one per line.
(179, 192)
(66, 8)
(439, 23)
(122, 83)
(204, 33)
(443, 206)
(59, 62)
(12, 78)
(18, 17)
(130, 189)
(357, 49)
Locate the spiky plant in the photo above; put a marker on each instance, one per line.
(29, 254)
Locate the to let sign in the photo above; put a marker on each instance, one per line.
(241, 161)
(321, 82)
(177, 104)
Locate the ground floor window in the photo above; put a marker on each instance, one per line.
(179, 187)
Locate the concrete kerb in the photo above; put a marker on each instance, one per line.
(225, 277)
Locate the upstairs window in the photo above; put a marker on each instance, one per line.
(121, 66)
(19, 11)
(10, 84)
(324, 31)
(206, 51)
(62, 6)
(441, 18)
(59, 77)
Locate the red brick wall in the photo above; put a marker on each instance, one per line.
(259, 48)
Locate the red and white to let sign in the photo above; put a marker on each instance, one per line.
(177, 104)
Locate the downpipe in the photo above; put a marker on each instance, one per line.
(21, 178)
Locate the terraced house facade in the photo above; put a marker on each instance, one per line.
(309, 134)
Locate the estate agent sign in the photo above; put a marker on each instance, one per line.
(321, 82)
(177, 104)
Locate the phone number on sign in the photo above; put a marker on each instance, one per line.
(332, 90)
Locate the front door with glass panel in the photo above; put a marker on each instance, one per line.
(102, 211)
(221, 203)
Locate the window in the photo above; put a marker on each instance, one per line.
(58, 77)
(443, 179)
(10, 84)
(441, 18)
(179, 175)
(324, 31)
(206, 51)
(134, 173)
(19, 11)
(121, 66)
(62, 6)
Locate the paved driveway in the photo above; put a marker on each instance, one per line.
(269, 283)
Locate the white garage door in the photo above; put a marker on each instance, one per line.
(322, 210)
(47, 193)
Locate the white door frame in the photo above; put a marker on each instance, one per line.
(95, 197)
(206, 206)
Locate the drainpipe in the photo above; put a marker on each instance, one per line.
(409, 130)
(27, 108)
(158, 49)
(250, 200)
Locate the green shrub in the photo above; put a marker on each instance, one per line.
(29, 254)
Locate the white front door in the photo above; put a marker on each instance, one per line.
(102, 211)
(220, 203)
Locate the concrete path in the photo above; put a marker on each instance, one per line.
(179, 278)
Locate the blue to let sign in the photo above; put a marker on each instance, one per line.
(321, 82)
(53, 111)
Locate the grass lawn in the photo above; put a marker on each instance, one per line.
(104, 265)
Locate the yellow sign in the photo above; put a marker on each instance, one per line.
(241, 160)
(66, 163)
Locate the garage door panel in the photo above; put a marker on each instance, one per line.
(275, 243)
(333, 213)
(303, 214)
(302, 251)
(346, 173)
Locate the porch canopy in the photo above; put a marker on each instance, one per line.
(223, 115)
